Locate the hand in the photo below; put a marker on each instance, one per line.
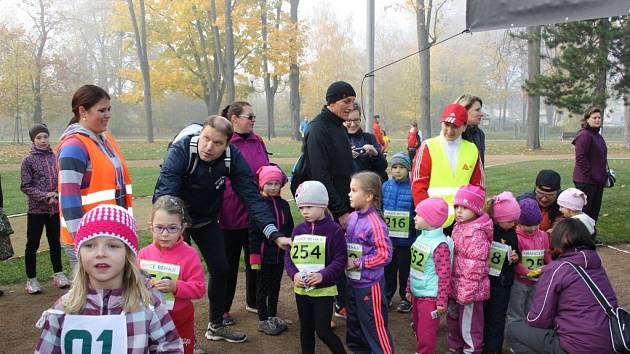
(514, 257)
(440, 310)
(350, 264)
(409, 297)
(283, 242)
(370, 150)
(355, 154)
(343, 220)
(314, 279)
(297, 280)
(51, 198)
(166, 285)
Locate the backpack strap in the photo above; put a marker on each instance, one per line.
(193, 154)
(601, 299)
(228, 159)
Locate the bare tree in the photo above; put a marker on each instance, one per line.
(294, 75)
(533, 101)
(140, 35)
(271, 82)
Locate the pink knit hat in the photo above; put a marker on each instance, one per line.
(270, 173)
(433, 210)
(471, 197)
(107, 220)
(572, 198)
(505, 208)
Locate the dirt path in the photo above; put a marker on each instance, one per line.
(19, 312)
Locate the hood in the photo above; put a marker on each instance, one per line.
(37, 151)
(483, 223)
(77, 128)
(583, 257)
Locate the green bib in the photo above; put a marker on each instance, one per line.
(308, 253)
(419, 253)
(498, 254)
(397, 223)
(533, 259)
(354, 250)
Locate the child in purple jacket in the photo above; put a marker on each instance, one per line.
(39, 183)
(314, 262)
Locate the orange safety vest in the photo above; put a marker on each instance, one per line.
(102, 187)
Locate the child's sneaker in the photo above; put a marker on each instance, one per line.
(228, 320)
(280, 323)
(220, 332)
(33, 287)
(404, 306)
(269, 328)
(341, 312)
(60, 280)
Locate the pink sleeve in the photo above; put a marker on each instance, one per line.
(442, 259)
(191, 283)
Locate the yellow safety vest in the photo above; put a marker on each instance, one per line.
(443, 182)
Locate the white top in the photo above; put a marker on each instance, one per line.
(452, 150)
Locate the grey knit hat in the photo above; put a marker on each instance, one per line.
(311, 193)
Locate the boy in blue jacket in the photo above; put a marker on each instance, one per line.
(398, 212)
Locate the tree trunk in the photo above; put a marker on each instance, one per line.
(294, 76)
(425, 69)
(141, 45)
(626, 119)
(271, 84)
(228, 52)
(601, 92)
(533, 102)
(43, 27)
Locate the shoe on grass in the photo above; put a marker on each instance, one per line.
(60, 280)
(404, 306)
(220, 332)
(33, 286)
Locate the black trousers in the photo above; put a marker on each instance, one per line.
(209, 239)
(34, 228)
(594, 194)
(315, 315)
(397, 273)
(235, 241)
(494, 311)
(268, 280)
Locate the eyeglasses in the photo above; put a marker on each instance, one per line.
(355, 122)
(171, 229)
(250, 116)
(548, 195)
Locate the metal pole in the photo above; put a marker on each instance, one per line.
(369, 104)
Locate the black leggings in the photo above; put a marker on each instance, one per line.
(235, 241)
(315, 315)
(209, 239)
(34, 228)
(594, 194)
(268, 280)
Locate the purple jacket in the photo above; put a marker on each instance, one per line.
(234, 213)
(563, 301)
(336, 253)
(39, 177)
(370, 231)
(590, 157)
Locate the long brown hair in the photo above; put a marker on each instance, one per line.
(86, 96)
(589, 112)
(371, 183)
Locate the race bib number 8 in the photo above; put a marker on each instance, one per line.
(533, 259)
(419, 254)
(308, 252)
(397, 223)
(354, 250)
(498, 254)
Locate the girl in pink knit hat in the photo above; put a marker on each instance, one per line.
(504, 211)
(472, 236)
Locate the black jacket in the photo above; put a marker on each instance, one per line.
(475, 135)
(506, 278)
(365, 162)
(202, 190)
(269, 252)
(328, 159)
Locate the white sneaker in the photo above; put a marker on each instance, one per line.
(33, 286)
(60, 280)
(251, 309)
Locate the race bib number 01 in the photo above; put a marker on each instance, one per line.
(105, 334)
(354, 250)
(419, 254)
(397, 223)
(308, 253)
(498, 253)
(533, 259)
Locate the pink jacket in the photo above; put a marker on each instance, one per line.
(191, 283)
(538, 241)
(469, 280)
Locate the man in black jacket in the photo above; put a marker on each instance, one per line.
(327, 151)
(202, 191)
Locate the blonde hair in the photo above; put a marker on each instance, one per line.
(171, 205)
(135, 291)
(370, 183)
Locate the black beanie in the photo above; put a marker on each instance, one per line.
(339, 90)
(36, 129)
(549, 180)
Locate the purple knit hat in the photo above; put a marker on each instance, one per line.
(530, 212)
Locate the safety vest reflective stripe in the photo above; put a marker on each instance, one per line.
(438, 191)
(98, 197)
(128, 189)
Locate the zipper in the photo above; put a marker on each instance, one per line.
(52, 208)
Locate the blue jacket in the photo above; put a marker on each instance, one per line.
(202, 190)
(397, 197)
